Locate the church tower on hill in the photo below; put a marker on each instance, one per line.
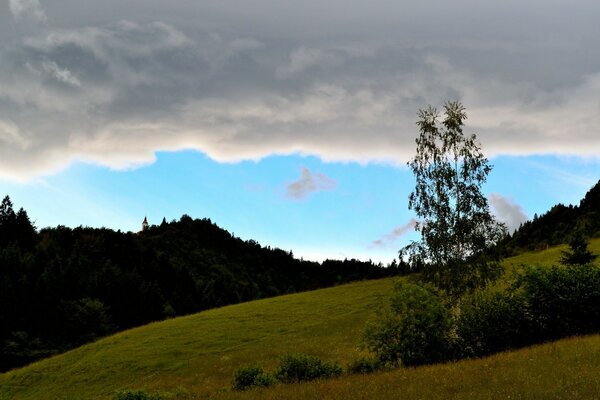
(145, 225)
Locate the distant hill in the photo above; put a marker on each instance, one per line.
(557, 225)
(62, 287)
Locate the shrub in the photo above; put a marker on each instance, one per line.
(414, 330)
(492, 320)
(136, 395)
(563, 301)
(364, 365)
(302, 367)
(250, 376)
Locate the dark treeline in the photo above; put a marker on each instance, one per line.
(557, 225)
(62, 287)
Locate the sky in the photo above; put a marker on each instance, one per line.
(289, 122)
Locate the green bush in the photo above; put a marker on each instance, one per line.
(563, 301)
(414, 330)
(250, 376)
(492, 320)
(136, 395)
(302, 367)
(543, 304)
(364, 365)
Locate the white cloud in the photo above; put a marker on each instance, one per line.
(27, 9)
(391, 237)
(309, 183)
(507, 210)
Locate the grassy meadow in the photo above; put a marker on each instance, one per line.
(567, 369)
(194, 357)
(548, 256)
(201, 351)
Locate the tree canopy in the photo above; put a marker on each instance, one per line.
(454, 219)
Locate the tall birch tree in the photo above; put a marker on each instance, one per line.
(454, 218)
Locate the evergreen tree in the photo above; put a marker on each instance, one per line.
(578, 253)
(7, 220)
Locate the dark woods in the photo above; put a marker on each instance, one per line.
(63, 287)
(559, 225)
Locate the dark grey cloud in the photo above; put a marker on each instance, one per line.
(113, 82)
(507, 210)
(391, 237)
(309, 183)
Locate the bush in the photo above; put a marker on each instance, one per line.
(136, 395)
(302, 367)
(414, 330)
(544, 304)
(492, 320)
(251, 376)
(364, 365)
(563, 301)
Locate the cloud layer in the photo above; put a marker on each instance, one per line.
(76, 84)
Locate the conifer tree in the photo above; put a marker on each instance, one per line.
(578, 253)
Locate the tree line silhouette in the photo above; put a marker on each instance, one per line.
(557, 226)
(61, 287)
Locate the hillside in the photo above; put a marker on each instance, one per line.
(557, 225)
(565, 370)
(195, 356)
(549, 256)
(62, 287)
(199, 352)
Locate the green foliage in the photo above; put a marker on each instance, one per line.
(492, 320)
(364, 365)
(455, 222)
(85, 320)
(415, 329)
(136, 395)
(545, 303)
(302, 367)
(563, 301)
(251, 376)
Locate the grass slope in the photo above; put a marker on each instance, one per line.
(550, 256)
(200, 352)
(567, 369)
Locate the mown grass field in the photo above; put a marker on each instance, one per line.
(196, 355)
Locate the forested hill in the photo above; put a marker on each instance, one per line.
(61, 287)
(557, 225)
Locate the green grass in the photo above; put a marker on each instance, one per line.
(197, 355)
(548, 257)
(201, 351)
(567, 369)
